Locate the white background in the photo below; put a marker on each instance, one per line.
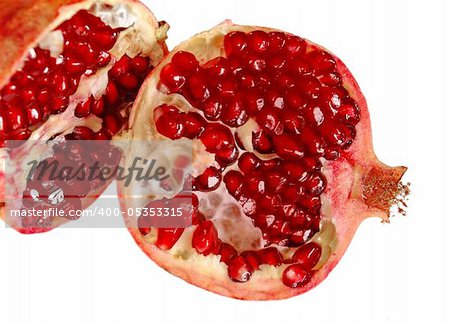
(391, 274)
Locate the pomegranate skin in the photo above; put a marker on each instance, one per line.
(25, 23)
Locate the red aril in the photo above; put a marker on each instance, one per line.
(68, 65)
(301, 174)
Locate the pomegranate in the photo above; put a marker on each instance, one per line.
(70, 70)
(283, 169)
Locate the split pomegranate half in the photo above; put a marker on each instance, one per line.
(283, 169)
(69, 70)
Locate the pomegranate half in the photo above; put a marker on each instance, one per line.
(283, 169)
(70, 70)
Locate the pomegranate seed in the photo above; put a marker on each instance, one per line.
(227, 156)
(308, 255)
(43, 97)
(349, 112)
(169, 122)
(98, 107)
(271, 256)
(235, 43)
(209, 180)
(84, 109)
(314, 144)
(14, 118)
(295, 276)
(288, 147)
(321, 61)
(226, 87)
(198, 88)
(262, 142)
(258, 41)
(34, 115)
(275, 181)
(293, 122)
(104, 39)
(194, 125)
(254, 100)
(216, 137)
(264, 221)
(74, 66)
(270, 202)
(248, 162)
(217, 68)
(269, 119)
(140, 64)
(330, 79)
(254, 185)
(83, 133)
(19, 135)
(85, 51)
(276, 62)
(315, 184)
(113, 123)
(28, 95)
(256, 63)
(144, 226)
(336, 134)
(173, 79)
(103, 134)
(9, 92)
(309, 86)
(295, 100)
(310, 203)
(297, 217)
(233, 181)
(59, 83)
(227, 252)
(205, 238)
(252, 260)
(234, 113)
(167, 237)
(295, 46)
(128, 80)
(238, 270)
(103, 59)
(277, 41)
(298, 66)
(212, 108)
(120, 67)
(290, 193)
(186, 62)
(247, 80)
(112, 94)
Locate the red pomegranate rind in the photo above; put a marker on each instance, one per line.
(26, 23)
(347, 191)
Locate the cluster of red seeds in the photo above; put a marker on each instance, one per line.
(43, 85)
(205, 241)
(53, 176)
(295, 94)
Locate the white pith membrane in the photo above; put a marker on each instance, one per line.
(142, 36)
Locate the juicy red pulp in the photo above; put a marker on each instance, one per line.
(43, 86)
(295, 94)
